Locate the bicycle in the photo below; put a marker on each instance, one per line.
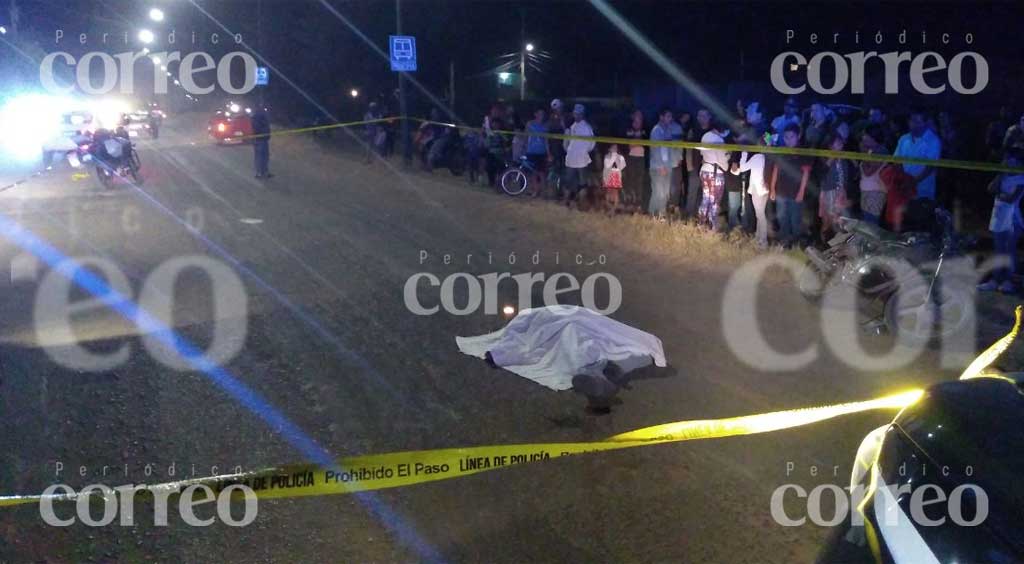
(516, 178)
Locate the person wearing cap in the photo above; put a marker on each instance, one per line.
(577, 152)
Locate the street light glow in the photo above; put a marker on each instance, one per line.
(504, 75)
(354, 93)
(3, 30)
(156, 14)
(529, 46)
(156, 61)
(146, 36)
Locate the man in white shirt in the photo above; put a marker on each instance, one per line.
(712, 177)
(920, 143)
(577, 152)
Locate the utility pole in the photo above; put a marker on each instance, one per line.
(259, 44)
(406, 147)
(522, 55)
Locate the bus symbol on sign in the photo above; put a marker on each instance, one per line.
(403, 52)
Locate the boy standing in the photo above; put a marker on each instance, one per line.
(788, 186)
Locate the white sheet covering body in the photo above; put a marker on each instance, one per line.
(550, 345)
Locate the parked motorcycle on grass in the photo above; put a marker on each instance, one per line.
(447, 151)
(923, 294)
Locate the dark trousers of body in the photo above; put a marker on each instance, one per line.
(261, 155)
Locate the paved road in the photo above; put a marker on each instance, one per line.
(323, 251)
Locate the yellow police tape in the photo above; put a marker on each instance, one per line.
(976, 368)
(391, 470)
(397, 469)
(316, 128)
(822, 153)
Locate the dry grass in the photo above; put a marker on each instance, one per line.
(672, 241)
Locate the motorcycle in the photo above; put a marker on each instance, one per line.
(112, 155)
(447, 151)
(924, 294)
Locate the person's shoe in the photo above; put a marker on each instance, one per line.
(613, 372)
(594, 387)
(269, 175)
(1007, 288)
(259, 176)
(989, 286)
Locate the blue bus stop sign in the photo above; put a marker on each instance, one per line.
(403, 52)
(262, 76)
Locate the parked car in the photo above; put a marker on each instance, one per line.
(75, 128)
(229, 127)
(964, 436)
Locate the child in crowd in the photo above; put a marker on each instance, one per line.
(1006, 222)
(614, 163)
(832, 202)
(788, 186)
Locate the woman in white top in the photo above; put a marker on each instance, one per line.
(758, 188)
(872, 189)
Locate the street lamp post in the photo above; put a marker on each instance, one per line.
(406, 145)
(522, 69)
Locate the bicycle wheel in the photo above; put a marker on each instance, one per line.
(514, 181)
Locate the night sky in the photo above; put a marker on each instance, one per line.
(715, 42)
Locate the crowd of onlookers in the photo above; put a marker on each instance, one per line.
(787, 199)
